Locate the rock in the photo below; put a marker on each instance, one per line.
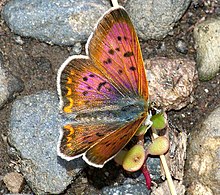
(14, 182)
(9, 84)
(202, 174)
(181, 46)
(207, 41)
(171, 81)
(154, 19)
(164, 189)
(2, 2)
(59, 22)
(138, 189)
(34, 130)
(76, 49)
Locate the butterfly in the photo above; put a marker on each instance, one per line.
(104, 93)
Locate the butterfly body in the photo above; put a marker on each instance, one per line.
(105, 93)
(124, 111)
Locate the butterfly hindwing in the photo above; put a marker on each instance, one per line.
(78, 138)
(109, 146)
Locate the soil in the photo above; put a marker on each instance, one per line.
(36, 63)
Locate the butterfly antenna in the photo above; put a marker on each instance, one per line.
(115, 3)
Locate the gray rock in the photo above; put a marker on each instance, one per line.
(137, 189)
(9, 84)
(154, 19)
(207, 40)
(203, 157)
(34, 130)
(60, 21)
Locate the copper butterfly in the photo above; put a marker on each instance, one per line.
(105, 92)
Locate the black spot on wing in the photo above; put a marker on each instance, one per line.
(85, 78)
(99, 134)
(85, 93)
(119, 38)
(111, 51)
(128, 54)
(120, 71)
(108, 61)
(132, 68)
(101, 85)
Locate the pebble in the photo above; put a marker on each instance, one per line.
(154, 19)
(203, 157)
(181, 46)
(34, 130)
(207, 43)
(14, 182)
(76, 49)
(9, 84)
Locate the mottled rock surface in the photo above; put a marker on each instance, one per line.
(203, 157)
(154, 19)
(59, 22)
(207, 40)
(171, 81)
(34, 132)
(9, 84)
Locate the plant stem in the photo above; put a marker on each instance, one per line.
(167, 172)
(146, 175)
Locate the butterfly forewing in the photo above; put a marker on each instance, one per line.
(115, 49)
(83, 86)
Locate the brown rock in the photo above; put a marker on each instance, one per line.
(14, 182)
(171, 81)
(163, 189)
